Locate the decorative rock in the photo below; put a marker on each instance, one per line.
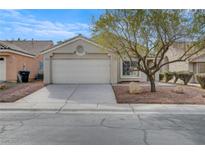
(3, 86)
(178, 90)
(134, 88)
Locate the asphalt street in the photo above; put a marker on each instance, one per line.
(93, 128)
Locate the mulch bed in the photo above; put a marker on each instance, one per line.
(164, 95)
(20, 91)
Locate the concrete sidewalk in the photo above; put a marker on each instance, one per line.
(129, 108)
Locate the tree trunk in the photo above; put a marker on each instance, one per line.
(152, 84)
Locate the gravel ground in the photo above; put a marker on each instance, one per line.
(164, 95)
(19, 91)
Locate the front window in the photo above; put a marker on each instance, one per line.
(40, 66)
(201, 67)
(129, 69)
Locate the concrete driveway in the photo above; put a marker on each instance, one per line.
(73, 94)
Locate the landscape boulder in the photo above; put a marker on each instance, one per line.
(134, 88)
(178, 90)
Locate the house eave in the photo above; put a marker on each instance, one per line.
(16, 52)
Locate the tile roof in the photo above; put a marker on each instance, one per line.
(32, 47)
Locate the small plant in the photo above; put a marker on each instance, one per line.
(161, 76)
(175, 77)
(201, 79)
(3, 86)
(168, 76)
(185, 76)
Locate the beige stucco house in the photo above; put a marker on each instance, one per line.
(195, 64)
(21, 54)
(80, 60)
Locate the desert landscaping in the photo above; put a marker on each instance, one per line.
(165, 94)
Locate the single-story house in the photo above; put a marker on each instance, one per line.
(195, 64)
(81, 60)
(17, 55)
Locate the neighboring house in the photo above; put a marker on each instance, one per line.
(195, 64)
(21, 54)
(80, 60)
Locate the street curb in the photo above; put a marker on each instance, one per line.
(108, 111)
(20, 109)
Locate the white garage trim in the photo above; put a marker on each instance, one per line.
(80, 71)
(2, 69)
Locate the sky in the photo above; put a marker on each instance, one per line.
(56, 25)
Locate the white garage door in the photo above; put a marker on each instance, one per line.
(2, 69)
(81, 71)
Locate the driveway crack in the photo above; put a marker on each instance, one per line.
(132, 108)
(2, 130)
(145, 137)
(66, 101)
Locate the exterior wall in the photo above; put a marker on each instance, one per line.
(71, 47)
(15, 62)
(39, 58)
(200, 59)
(173, 53)
(114, 68)
(68, 52)
(47, 68)
(176, 51)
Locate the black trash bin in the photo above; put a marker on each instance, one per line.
(24, 75)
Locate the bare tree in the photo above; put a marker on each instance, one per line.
(141, 34)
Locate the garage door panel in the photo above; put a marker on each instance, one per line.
(81, 71)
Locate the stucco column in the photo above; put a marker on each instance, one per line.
(47, 68)
(113, 68)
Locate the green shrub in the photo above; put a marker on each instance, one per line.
(168, 76)
(176, 77)
(161, 76)
(185, 76)
(201, 79)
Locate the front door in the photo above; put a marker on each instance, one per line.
(2, 69)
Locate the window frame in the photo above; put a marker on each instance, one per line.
(127, 76)
(200, 67)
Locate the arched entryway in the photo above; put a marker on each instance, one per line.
(166, 67)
